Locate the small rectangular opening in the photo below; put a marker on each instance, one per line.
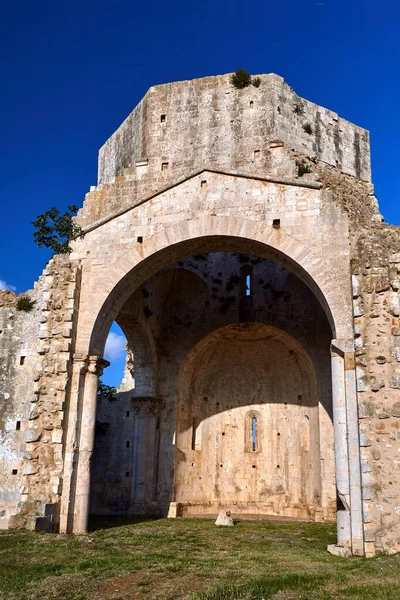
(251, 104)
(203, 182)
(256, 156)
(140, 239)
(127, 474)
(18, 426)
(128, 444)
(163, 118)
(14, 472)
(276, 223)
(143, 162)
(164, 166)
(127, 413)
(21, 360)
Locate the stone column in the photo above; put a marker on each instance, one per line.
(353, 441)
(145, 453)
(347, 449)
(76, 389)
(341, 449)
(86, 442)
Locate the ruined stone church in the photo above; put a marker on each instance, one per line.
(235, 238)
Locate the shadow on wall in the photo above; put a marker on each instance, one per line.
(248, 424)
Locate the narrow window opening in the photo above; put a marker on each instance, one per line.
(18, 426)
(22, 360)
(276, 223)
(164, 166)
(254, 434)
(256, 156)
(251, 104)
(248, 285)
(128, 444)
(14, 472)
(140, 239)
(203, 182)
(247, 281)
(127, 474)
(127, 413)
(163, 118)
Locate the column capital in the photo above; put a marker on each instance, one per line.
(96, 365)
(79, 363)
(341, 347)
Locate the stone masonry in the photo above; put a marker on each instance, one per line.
(235, 237)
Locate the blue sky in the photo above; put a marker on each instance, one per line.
(72, 71)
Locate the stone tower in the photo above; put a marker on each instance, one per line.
(235, 238)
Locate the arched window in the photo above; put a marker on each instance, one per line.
(254, 434)
(252, 430)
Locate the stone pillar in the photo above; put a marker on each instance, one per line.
(86, 441)
(347, 449)
(145, 452)
(353, 441)
(341, 450)
(79, 369)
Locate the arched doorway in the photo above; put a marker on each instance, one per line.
(251, 433)
(120, 284)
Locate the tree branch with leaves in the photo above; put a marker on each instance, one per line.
(55, 230)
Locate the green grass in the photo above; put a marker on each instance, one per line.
(191, 559)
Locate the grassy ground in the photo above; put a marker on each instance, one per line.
(192, 560)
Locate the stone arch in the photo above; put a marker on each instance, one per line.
(115, 285)
(112, 282)
(144, 355)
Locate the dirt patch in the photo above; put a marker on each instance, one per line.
(120, 585)
(144, 585)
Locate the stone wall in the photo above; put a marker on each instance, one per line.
(18, 361)
(49, 346)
